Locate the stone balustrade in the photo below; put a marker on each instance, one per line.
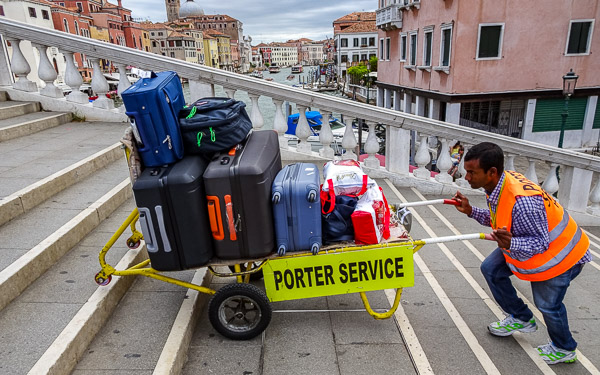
(578, 189)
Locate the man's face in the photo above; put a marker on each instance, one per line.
(477, 178)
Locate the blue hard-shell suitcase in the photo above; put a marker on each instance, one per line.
(297, 208)
(153, 105)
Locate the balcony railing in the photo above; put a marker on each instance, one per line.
(578, 171)
(389, 17)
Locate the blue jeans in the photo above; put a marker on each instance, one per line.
(547, 295)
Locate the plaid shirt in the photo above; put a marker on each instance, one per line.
(529, 224)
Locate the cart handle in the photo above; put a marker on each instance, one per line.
(430, 202)
(460, 237)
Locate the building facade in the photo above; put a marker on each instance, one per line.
(496, 66)
(355, 40)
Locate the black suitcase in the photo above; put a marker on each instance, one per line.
(238, 188)
(173, 217)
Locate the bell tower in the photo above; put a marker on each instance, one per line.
(172, 10)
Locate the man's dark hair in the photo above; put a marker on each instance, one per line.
(488, 154)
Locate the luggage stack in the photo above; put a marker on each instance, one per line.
(205, 188)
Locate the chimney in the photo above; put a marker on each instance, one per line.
(120, 4)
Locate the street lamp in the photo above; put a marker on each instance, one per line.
(569, 82)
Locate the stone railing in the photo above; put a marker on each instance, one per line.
(577, 170)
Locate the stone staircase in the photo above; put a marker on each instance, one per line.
(65, 190)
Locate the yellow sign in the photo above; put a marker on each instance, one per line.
(320, 275)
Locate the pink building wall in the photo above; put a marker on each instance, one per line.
(533, 46)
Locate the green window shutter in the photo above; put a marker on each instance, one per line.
(548, 114)
(597, 116)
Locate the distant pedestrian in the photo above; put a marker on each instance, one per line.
(538, 241)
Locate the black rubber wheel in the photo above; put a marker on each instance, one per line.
(253, 276)
(239, 311)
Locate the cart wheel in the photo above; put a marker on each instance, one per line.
(239, 311)
(101, 280)
(253, 276)
(133, 245)
(315, 248)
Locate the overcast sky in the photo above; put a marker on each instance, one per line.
(267, 21)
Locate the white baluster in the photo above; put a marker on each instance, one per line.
(326, 136)
(531, 174)
(100, 87)
(47, 73)
(255, 116)
(509, 164)
(303, 131)
(371, 147)
(230, 93)
(462, 182)
(349, 143)
(422, 158)
(551, 182)
(594, 209)
(280, 124)
(124, 82)
(444, 163)
(74, 81)
(20, 67)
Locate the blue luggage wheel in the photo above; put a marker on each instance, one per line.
(281, 250)
(315, 248)
(312, 196)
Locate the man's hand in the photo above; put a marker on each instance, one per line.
(502, 237)
(464, 206)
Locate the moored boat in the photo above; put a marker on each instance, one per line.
(274, 69)
(256, 74)
(297, 69)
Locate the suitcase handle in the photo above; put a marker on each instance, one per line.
(148, 229)
(230, 223)
(163, 230)
(214, 216)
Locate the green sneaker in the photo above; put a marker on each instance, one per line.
(510, 325)
(553, 355)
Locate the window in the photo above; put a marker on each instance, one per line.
(1, 10)
(79, 7)
(153, 44)
(32, 13)
(371, 42)
(413, 49)
(381, 51)
(173, 54)
(65, 25)
(344, 58)
(363, 57)
(403, 47)
(363, 42)
(45, 14)
(355, 42)
(580, 35)
(445, 46)
(387, 48)
(354, 58)
(427, 47)
(344, 42)
(489, 44)
(76, 28)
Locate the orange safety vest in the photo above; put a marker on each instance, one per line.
(568, 243)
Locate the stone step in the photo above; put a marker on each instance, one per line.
(62, 224)
(66, 295)
(3, 96)
(27, 160)
(10, 109)
(23, 125)
(25, 199)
